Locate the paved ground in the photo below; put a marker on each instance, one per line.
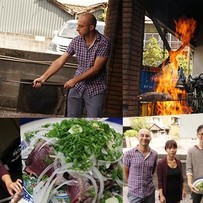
(125, 200)
(12, 113)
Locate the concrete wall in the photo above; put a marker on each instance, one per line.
(198, 59)
(16, 65)
(30, 42)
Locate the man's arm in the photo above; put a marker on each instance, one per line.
(53, 68)
(126, 172)
(155, 165)
(189, 171)
(94, 70)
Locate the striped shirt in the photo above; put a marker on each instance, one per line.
(141, 169)
(86, 57)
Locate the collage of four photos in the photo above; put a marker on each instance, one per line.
(101, 101)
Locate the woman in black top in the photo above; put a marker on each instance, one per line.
(170, 177)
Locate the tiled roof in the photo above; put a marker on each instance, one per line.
(79, 9)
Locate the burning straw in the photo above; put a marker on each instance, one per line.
(166, 80)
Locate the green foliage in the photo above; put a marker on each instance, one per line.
(130, 133)
(176, 136)
(139, 123)
(200, 186)
(183, 62)
(102, 17)
(153, 55)
(136, 125)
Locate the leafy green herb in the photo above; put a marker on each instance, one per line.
(92, 192)
(117, 173)
(200, 186)
(120, 199)
(48, 160)
(29, 135)
(83, 141)
(30, 182)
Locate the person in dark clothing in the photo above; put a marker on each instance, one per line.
(170, 177)
(13, 188)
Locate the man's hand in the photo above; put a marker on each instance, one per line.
(70, 83)
(192, 187)
(38, 82)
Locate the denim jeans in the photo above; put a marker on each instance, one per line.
(76, 104)
(148, 199)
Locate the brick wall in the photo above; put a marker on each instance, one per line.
(113, 105)
(133, 28)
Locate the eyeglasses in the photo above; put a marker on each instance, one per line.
(82, 26)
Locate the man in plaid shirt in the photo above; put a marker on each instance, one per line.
(139, 167)
(87, 87)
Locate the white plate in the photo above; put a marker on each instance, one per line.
(34, 125)
(196, 183)
(27, 198)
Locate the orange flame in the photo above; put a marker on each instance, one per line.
(185, 29)
(167, 79)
